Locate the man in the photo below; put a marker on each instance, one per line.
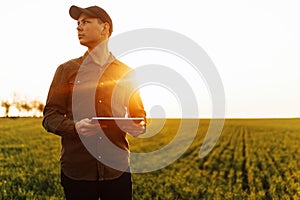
(94, 156)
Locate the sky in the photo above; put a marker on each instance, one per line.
(253, 44)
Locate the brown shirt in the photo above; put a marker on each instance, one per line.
(80, 89)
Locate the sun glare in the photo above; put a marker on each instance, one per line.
(160, 102)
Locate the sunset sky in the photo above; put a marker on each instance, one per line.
(255, 46)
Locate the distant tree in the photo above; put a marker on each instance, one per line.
(26, 106)
(7, 106)
(23, 105)
(37, 105)
(41, 107)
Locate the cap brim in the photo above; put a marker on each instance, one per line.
(76, 11)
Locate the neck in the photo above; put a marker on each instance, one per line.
(100, 53)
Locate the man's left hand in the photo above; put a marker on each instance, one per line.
(134, 129)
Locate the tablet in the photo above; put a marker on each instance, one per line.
(135, 119)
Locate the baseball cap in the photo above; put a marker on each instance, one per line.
(93, 11)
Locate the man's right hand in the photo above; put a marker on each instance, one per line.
(86, 127)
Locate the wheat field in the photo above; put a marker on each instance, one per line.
(253, 159)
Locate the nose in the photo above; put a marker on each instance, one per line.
(79, 27)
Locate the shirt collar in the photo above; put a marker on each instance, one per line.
(99, 55)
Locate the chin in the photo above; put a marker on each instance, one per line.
(82, 43)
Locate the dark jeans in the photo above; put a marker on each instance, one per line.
(117, 189)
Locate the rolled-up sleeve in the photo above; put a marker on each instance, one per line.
(135, 105)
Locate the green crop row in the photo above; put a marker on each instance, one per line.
(253, 159)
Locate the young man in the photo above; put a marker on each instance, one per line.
(94, 156)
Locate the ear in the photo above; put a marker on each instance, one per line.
(106, 28)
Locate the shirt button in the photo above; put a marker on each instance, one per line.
(100, 101)
(100, 138)
(99, 157)
(101, 84)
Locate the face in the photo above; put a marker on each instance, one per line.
(91, 32)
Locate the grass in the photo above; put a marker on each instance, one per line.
(253, 159)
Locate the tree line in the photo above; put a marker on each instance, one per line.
(34, 107)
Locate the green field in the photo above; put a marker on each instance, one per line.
(253, 159)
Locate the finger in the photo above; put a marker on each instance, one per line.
(136, 132)
(142, 123)
(86, 120)
(87, 133)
